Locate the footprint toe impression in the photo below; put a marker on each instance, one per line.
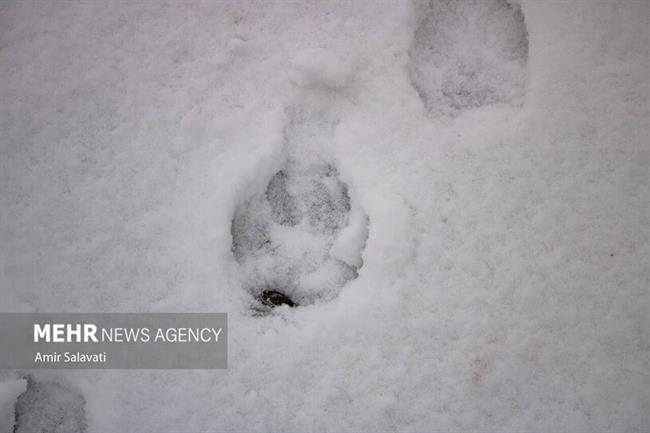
(283, 206)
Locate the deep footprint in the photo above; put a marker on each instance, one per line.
(299, 241)
(283, 238)
(49, 407)
(469, 53)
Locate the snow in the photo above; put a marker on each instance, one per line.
(316, 66)
(10, 389)
(348, 246)
(504, 278)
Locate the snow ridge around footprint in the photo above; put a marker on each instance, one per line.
(299, 241)
(469, 53)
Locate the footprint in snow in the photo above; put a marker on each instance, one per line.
(300, 240)
(469, 53)
(49, 407)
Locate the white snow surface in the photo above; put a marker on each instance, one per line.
(505, 280)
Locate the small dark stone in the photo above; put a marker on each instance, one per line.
(273, 298)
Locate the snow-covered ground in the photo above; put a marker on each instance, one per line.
(491, 162)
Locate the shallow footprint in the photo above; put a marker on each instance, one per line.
(469, 53)
(49, 407)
